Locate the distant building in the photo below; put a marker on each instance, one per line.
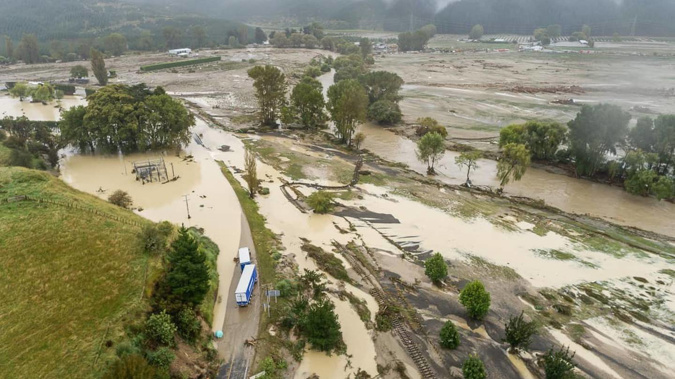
(185, 52)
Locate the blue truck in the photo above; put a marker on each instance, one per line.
(244, 257)
(244, 289)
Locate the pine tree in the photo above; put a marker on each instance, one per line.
(188, 274)
(98, 67)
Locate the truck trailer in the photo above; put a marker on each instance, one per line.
(244, 289)
(244, 257)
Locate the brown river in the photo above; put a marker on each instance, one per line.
(566, 193)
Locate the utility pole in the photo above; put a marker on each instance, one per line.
(187, 206)
(173, 174)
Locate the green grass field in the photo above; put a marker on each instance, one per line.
(70, 279)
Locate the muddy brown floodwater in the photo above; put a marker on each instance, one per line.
(560, 191)
(212, 202)
(37, 111)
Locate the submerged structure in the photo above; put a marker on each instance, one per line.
(149, 171)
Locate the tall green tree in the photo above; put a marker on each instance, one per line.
(366, 47)
(596, 131)
(165, 123)
(20, 90)
(543, 139)
(322, 328)
(270, 86)
(430, 149)
(188, 273)
(382, 85)
(98, 67)
(513, 163)
(307, 104)
(260, 36)
(29, 50)
(115, 44)
(347, 102)
(468, 159)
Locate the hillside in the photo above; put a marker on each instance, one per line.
(70, 277)
(87, 20)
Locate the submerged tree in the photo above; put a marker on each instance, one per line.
(20, 90)
(347, 101)
(468, 159)
(513, 163)
(307, 104)
(519, 332)
(558, 364)
(251, 176)
(430, 149)
(473, 368)
(98, 67)
(321, 327)
(449, 336)
(270, 85)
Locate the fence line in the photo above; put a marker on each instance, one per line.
(71, 205)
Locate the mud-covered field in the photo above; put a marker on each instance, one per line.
(607, 292)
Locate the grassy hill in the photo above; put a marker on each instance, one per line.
(71, 277)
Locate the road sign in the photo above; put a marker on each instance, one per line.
(273, 293)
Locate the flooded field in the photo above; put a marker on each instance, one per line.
(37, 111)
(560, 191)
(211, 201)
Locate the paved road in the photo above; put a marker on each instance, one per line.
(241, 323)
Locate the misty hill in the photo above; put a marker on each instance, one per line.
(625, 17)
(88, 19)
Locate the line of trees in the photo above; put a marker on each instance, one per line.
(31, 144)
(599, 144)
(356, 96)
(127, 118)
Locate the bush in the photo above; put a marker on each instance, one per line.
(449, 336)
(189, 327)
(161, 358)
(558, 364)
(161, 66)
(286, 288)
(473, 368)
(519, 332)
(121, 199)
(313, 71)
(160, 329)
(430, 125)
(130, 366)
(20, 158)
(3, 135)
(67, 89)
(383, 321)
(435, 268)
(321, 202)
(155, 237)
(475, 299)
(127, 348)
(384, 112)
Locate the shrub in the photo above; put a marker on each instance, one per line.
(188, 325)
(155, 236)
(321, 202)
(161, 358)
(358, 139)
(384, 112)
(161, 66)
(473, 368)
(130, 366)
(475, 299)
(519, 332)
(160, 329)
(558, 364)
(430, 125)
(20, 158)
(121, 199)
(383, 322)
(449, 336)
(313, 71)
(127, 348)
(286, 288)
(3, 135)
(435, 268)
